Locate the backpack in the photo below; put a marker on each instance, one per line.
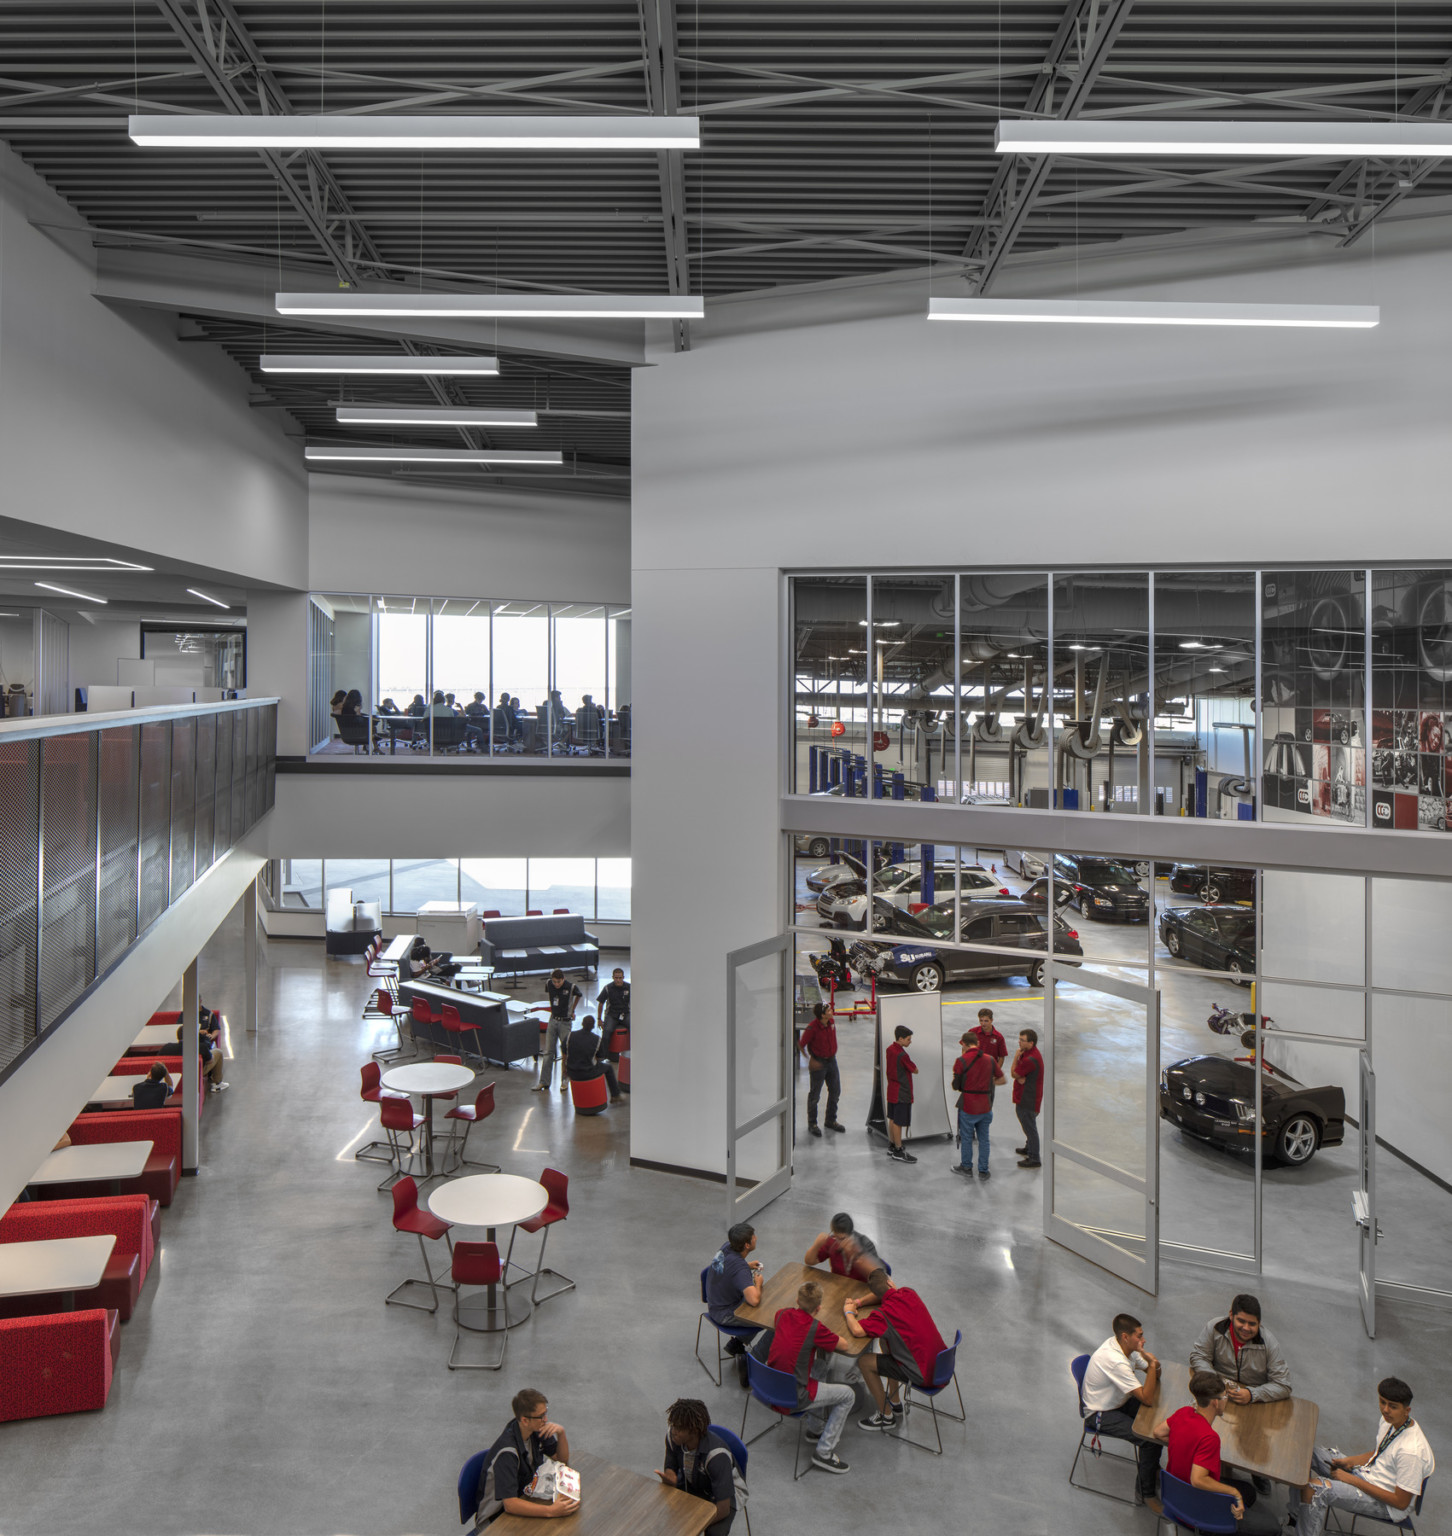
(738, 1482)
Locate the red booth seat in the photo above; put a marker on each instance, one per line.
(140, 1066)
(162, 1173)
(167, 1016)
(60, 1363)
(127, 1218)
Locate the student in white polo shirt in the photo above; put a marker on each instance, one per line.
(1113, 1393)
(1382, 1483)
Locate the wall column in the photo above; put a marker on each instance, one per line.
(249, 956)
(191, 1140)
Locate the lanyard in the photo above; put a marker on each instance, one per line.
(1377, 1452)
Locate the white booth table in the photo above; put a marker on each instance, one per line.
(63, 1264)
(491, 1201)
(397, 948)
(153, 1037)
(427, 1079)
(117, 1090)
(114, 1160)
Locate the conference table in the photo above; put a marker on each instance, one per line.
(490, 1201)
(428, 1079)
(781, 1291)
(615, 1501)
(1272, 1440)
(104, 1160)
(117, 1090)
(55, 1265)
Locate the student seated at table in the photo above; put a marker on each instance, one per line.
(352, 706)
(153, 1090)
(1382, 1483)
(514, 1458)
(585, 1058)
(699, 1462)
(798, 1338)
(1245, 1355)
(209, 1053)
(844, 1249)
(417, 708)
(908, 1345)
(1194, 1452)
(1113, 1393)
(733, 1279)
(388, 707)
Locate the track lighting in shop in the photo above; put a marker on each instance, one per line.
(216, 601)
(391, 362)
(434, 416)
(85, 597)
(381, 131)
(495, 306)
(1288, 136)
(344, 455)
(1139, 312)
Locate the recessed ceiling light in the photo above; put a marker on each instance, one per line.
(67, 563)
(216, 600)
(434, 416)
(382, 131)
(502, 306)
(1215, 669)
(66, 591)
(881, 623)
(345, 455)
(1136, 312)
(1290, 136)
(345, 362)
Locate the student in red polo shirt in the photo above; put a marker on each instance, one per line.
(974, 1073)
(1027, 1072)
(987, 1032)
(1194, 1449)
(908, 1352)
(797, 1339)
(899, 1067)
(819, 1046)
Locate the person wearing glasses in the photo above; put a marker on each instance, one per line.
(529, 1440)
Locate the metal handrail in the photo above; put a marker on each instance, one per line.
(29, 727)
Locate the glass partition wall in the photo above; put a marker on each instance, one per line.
(450, 677)
(1235, 694)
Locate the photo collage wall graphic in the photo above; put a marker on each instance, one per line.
(1411, 668)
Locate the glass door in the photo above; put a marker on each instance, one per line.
(1101, 1198)
(758, 1076)
(1363, 1199)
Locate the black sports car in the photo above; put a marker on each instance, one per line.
(1103, 888)
(1213, 885)
(1213, 1098)
(1219, 938)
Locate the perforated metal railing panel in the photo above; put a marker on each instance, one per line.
(206, 787)
(19, 859)
(116, 824)
(183, 804)
(155, 820)
(222, 830)
(67, 871)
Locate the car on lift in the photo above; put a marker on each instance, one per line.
(902, 884)
(1213, 1099)
(996, 920)
(1213, 885)
(1104, 889)
(1219, 938)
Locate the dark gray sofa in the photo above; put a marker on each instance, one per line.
(517, 946)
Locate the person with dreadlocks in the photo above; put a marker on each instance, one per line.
(698, 1461)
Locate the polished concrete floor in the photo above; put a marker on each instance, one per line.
(265, 1388)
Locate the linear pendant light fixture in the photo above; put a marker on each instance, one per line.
(348, 454)
(434, 416)
(1286, 136)
(501, 306)
(383, 131)
(86, 597)
(1134, 312)
(388, 362)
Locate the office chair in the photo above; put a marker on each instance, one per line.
(1077, 1366)
(1195, 1509)
(731, 1332)
(779, 1392)
(945, 1371)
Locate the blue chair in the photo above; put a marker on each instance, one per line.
(1195, 1509)
(726, 1328)
(738, 1455)
(471, 1479)
(779, 1392)
(1077, 1366)
(945, 1370)
(1414, 1508)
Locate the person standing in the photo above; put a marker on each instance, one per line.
(1113, 1392)
(614, 1005)
(1027, 1071)
(987, 1032)
(819, 1046)
(563, 997)
(974, 1074)
(900, 1068)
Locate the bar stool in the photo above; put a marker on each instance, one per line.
(471, 1115)
(407, 1217)
(451, 1022)
(475, 1264)
(398, 1118)
(372, 1092)
(557, 1186)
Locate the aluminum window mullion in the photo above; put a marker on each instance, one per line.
(1257, 651)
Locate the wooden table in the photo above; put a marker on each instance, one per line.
(113, 1160)
(1274, 1440)
(781, 1291)
(63, 1264)
(617, 1502)
(117, 1090)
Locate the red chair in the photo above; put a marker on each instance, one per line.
(535, 912)
(490, 913)
(407, 1217)
(562, 911)
(471, 1115)
(454, 1025)
(386, 1010)
(623, 1075)
(475, 1264)
(399, 1118)
(589, 1096)
(557, 1186)
(371, 1092)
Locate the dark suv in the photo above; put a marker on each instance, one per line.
(1103, 888)
(1213, 885)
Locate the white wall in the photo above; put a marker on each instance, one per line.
(112, 429)
(277, 662)
(793, 435)
(97, 647)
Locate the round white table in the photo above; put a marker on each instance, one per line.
(491, 1201)
(426, 1079)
